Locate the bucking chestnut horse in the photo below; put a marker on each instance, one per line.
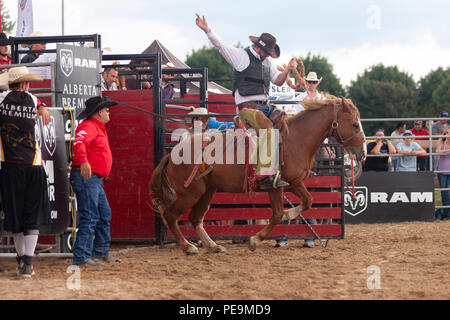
(331, 117)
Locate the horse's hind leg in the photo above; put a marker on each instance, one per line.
(196, 218)
(172, 214)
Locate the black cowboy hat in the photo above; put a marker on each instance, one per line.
(95, 104)
(4, 40)
(268, 43)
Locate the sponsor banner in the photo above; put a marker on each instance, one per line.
(78, 79)
(390, 197)
(282, 93)
(50, 139)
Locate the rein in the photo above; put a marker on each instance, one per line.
(334, 129)
(335, 125)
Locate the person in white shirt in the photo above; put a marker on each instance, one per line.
(44, 71)
(109, 77)
(311, 92)
(253, 70)
(312, 82)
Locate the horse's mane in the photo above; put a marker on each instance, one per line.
(328, 100)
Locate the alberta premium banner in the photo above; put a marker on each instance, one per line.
(51, 142)
(78, 79)
(390, 197)
(50, 139)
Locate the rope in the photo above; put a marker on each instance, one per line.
(141, 110)
(308, 224)
(352, 190)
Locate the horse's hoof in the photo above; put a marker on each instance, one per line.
(191, 250)
(252, 244)
(217, 249)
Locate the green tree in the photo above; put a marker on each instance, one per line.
(7, 23)
(433, 93)
(321, 66)
(384, 92)
(441, 96)
(210, 57)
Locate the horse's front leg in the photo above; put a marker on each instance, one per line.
(300, 191)
(303, 193)
(276, 200)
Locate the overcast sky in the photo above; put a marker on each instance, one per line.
(353, 35)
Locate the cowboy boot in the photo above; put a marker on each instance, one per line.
(272, 182)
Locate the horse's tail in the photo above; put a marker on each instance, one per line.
(163, 194)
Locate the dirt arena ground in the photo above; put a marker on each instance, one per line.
(411, 260)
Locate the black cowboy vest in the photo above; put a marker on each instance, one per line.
(253, 80)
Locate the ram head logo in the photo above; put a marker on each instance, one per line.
(66, 61)
(357, 203)
(49, 136)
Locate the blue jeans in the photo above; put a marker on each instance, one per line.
(444, 182)
(93, 235)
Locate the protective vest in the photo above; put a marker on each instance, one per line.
(253, 80)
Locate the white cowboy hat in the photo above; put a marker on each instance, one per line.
(33, 34)
(21, 74)
(198, 111)
(168, 65)
(312, 76)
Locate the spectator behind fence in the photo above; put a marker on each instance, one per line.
(44, 71)
(32, 56)
(312, 82)
(109, 77)
(167, 88)
(399, 129)
(439, 128)
(380, 146)
(443, 148)
(409, 151)
(5, 58)
(418, 130)
(131, 81)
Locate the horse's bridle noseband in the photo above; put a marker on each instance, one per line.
(355, 139)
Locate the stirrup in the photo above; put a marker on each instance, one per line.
(272, 182)
(277, 182)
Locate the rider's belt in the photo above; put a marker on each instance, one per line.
(249, 104)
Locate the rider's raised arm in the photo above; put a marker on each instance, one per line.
(237, 57)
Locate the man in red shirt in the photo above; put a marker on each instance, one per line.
(5, 58)
(418, 130)
(91, 163)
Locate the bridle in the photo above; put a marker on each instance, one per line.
(354, 139)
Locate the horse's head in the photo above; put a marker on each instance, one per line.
(347, 128)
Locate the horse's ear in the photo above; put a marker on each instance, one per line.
(345, 106)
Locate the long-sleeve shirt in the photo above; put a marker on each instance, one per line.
(239, 60)
(220, 125)
(92, 145)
